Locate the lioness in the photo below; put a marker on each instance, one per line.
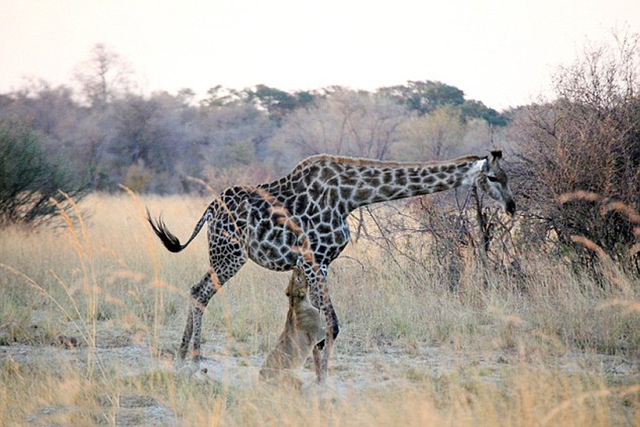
(303, 329)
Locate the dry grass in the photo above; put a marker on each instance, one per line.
(554, 349)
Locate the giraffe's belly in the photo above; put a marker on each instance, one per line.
(272, 246)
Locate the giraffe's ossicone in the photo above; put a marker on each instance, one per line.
(300, 220)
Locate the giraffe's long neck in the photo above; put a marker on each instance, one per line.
(361, 183)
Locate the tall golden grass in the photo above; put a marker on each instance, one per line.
(558, 348)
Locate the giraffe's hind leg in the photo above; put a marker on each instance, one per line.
(194, 317)
(202, 292)
(198, 311)
(320, 298)
(186, 336)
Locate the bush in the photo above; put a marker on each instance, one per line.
(580, 154)
(30, 180)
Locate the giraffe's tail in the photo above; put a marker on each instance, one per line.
(168, 239)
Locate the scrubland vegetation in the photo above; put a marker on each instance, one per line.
(450, 313)
(554, 346)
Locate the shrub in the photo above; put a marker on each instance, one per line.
(31, 181)
(586, 141)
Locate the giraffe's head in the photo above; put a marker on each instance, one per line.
(493, 181)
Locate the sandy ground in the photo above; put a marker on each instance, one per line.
(351, 369)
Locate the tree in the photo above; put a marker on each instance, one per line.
(476, 109)
(425, 96)
(219, 96)
(580, 154)
(103, 76)
(345, 122)
(278, 102)
(228, 141)
(66, 129)
(150, 134)
(434, 136)
(30, 180)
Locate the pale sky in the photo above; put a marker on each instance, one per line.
(501, 52)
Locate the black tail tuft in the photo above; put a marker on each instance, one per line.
(170, 241)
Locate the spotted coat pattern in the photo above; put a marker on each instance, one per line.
(300, 220)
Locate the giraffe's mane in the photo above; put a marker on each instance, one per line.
(356, 161)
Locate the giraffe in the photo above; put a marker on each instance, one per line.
(300, 220)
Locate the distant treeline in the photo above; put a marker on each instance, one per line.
(104, 132)
(105, 136)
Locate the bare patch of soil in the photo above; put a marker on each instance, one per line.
(353, 367)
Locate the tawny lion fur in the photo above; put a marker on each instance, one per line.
(304, 328)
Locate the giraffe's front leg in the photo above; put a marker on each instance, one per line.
(316, 277)
(323, 349)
